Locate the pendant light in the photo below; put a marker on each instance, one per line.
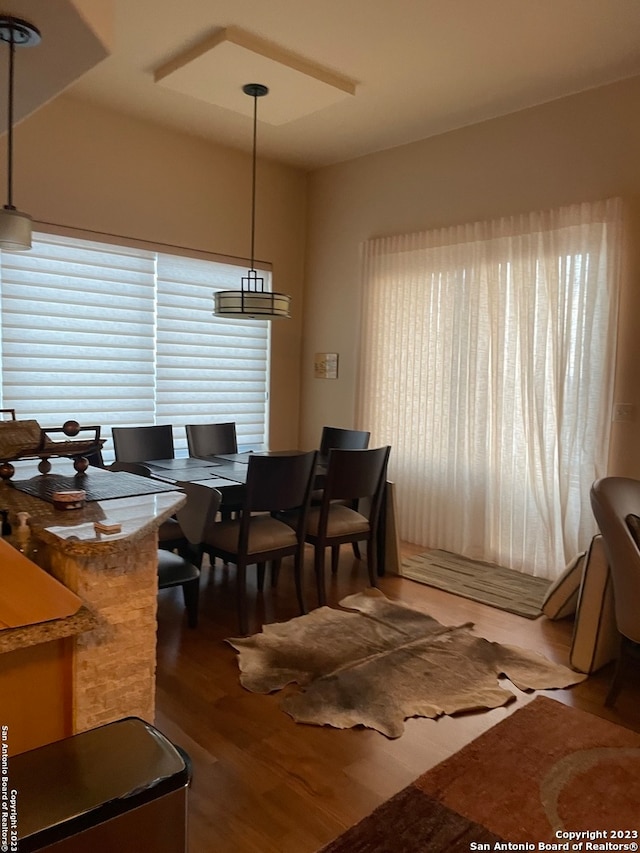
(15, 227)
(252, 301)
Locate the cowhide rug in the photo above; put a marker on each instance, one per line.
(380, 662)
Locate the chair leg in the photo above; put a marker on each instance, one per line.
(192, 553)
(371, 562)
(225, 515)
(355, 545)
(275, 572)
(318, 564)
(335, 558)
(261, 573)
(297, 570)
(191, 593)
(241, 581)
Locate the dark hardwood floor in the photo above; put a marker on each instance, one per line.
(264, 784)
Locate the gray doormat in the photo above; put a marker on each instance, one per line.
(502, 588)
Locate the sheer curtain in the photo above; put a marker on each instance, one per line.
(487, 361)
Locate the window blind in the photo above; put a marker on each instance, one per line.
(78, 328)
(208, 366)
(120, 335)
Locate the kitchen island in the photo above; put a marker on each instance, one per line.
(64, 676)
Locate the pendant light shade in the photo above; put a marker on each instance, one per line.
(252, 301)
(15, 227)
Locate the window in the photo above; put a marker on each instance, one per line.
(120, 335)
(487, 363)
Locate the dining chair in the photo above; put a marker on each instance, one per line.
(207, 440)
(274, 484)
(195, 518)
(95, 460)
(615, 502)
(354, 478)
(141, 443)
(346, 439)
(204, 440)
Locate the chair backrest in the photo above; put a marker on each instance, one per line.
(353, 474)
(131, 468)
(96, 459)
(279, 482)
(613, 499)
(199, 512)
(348, 439)
(139, 444)
(211, 439)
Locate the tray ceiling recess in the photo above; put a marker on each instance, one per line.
(216, 69)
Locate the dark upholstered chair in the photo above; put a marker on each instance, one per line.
(353, 478)
(205, 440)
(616, 506)
(195, 518)
(274, 483)
(139, 444)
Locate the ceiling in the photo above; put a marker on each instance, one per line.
(420, 67)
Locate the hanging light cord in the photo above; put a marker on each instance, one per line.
(252, 300)
(12, 49)
(253, 179)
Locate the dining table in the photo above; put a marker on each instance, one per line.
(227, 472)
(191, 470)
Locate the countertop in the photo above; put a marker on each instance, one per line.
(44, 632)
(72, 533)
(73, 529)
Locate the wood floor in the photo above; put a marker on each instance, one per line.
(264, 784)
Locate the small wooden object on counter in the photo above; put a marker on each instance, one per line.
(107, 526)
(26, 439)
(72, 499)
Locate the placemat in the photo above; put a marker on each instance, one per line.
(180, 464)
(98, 485)
(235, 471)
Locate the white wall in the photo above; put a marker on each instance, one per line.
(575, 149)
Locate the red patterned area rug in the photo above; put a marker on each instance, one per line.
(548, 777)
